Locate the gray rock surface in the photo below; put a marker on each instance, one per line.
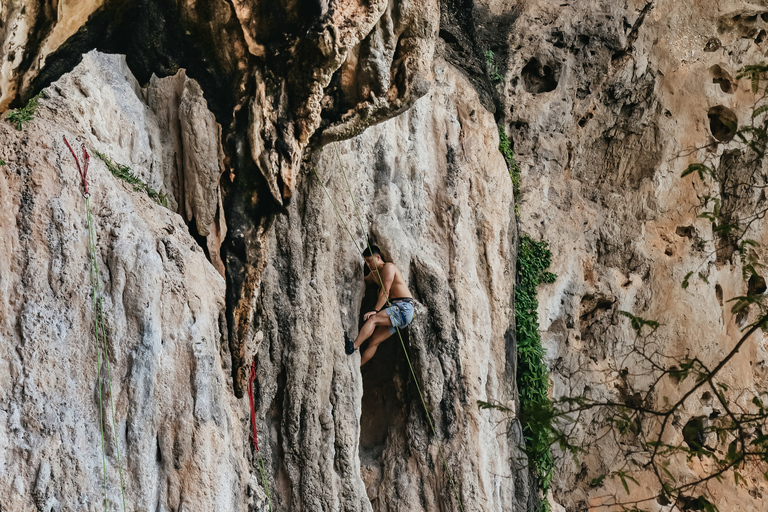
(436, 195)
(181, 433)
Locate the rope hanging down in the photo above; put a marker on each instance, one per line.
(98, 320)
(254, 436)
(251, 378)
(389, 304)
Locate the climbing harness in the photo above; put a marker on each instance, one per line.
(389, 304)
(98, 320)
(254, 436)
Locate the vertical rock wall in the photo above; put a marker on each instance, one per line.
(606, 103)
(437, 197)
(181, 433)
(435, 194)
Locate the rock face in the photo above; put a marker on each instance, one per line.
(606, 104)
(277, 77)
(236, 112)
(435, 193)
(180, 430)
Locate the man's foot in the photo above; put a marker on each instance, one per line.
(349, 345)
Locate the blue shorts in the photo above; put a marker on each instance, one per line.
(400, 314)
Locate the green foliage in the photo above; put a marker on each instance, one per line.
(638, 323)
(124, 173)
(492, 405)
(490, 65)
(536, 409)
(509, 156)
(735, 181)
(2, 162)
(754, 72)
(22, 116)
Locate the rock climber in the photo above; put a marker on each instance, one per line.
(382, 322)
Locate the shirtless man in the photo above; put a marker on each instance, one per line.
(381, 323)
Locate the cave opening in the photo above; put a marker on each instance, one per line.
(383, 409)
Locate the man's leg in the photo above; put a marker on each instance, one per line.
(379, 319)
(380, 334)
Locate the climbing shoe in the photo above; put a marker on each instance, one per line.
(349, 345)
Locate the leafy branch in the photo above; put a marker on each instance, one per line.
(732, 438)
(492, 67)
(734, 177)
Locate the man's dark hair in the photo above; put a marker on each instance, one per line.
(371, 251)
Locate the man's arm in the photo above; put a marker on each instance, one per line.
(388, 277)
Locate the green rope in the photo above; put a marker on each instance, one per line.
(389, 304)
(352, 196)
(264, 482)
(337, 210)
(98, 347)
(98, 318)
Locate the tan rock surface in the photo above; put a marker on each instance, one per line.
(437, 197)
(599, 98)
(603, 135)
(182, 435)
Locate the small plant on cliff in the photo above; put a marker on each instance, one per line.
(490, 65)
(124, 173)
(505, 147)
(533, 260)
(2, 162)
(22, 116)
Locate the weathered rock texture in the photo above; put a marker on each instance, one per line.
(232, 108)
(605, 102)
(275, 75)
(435, 194)
(181, 432)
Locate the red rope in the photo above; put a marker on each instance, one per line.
(252, 377)
(82, 170)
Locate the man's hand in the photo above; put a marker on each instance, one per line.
(369, 315)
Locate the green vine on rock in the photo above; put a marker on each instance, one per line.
(533, 260)
(505, 147)
(490, 65)
(126, 174)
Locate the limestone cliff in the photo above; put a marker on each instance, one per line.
(241, 113)
(433, 192)
(607, 104)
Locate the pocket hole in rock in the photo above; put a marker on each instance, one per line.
(538, 77)
(722, 78)
(722, 122)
